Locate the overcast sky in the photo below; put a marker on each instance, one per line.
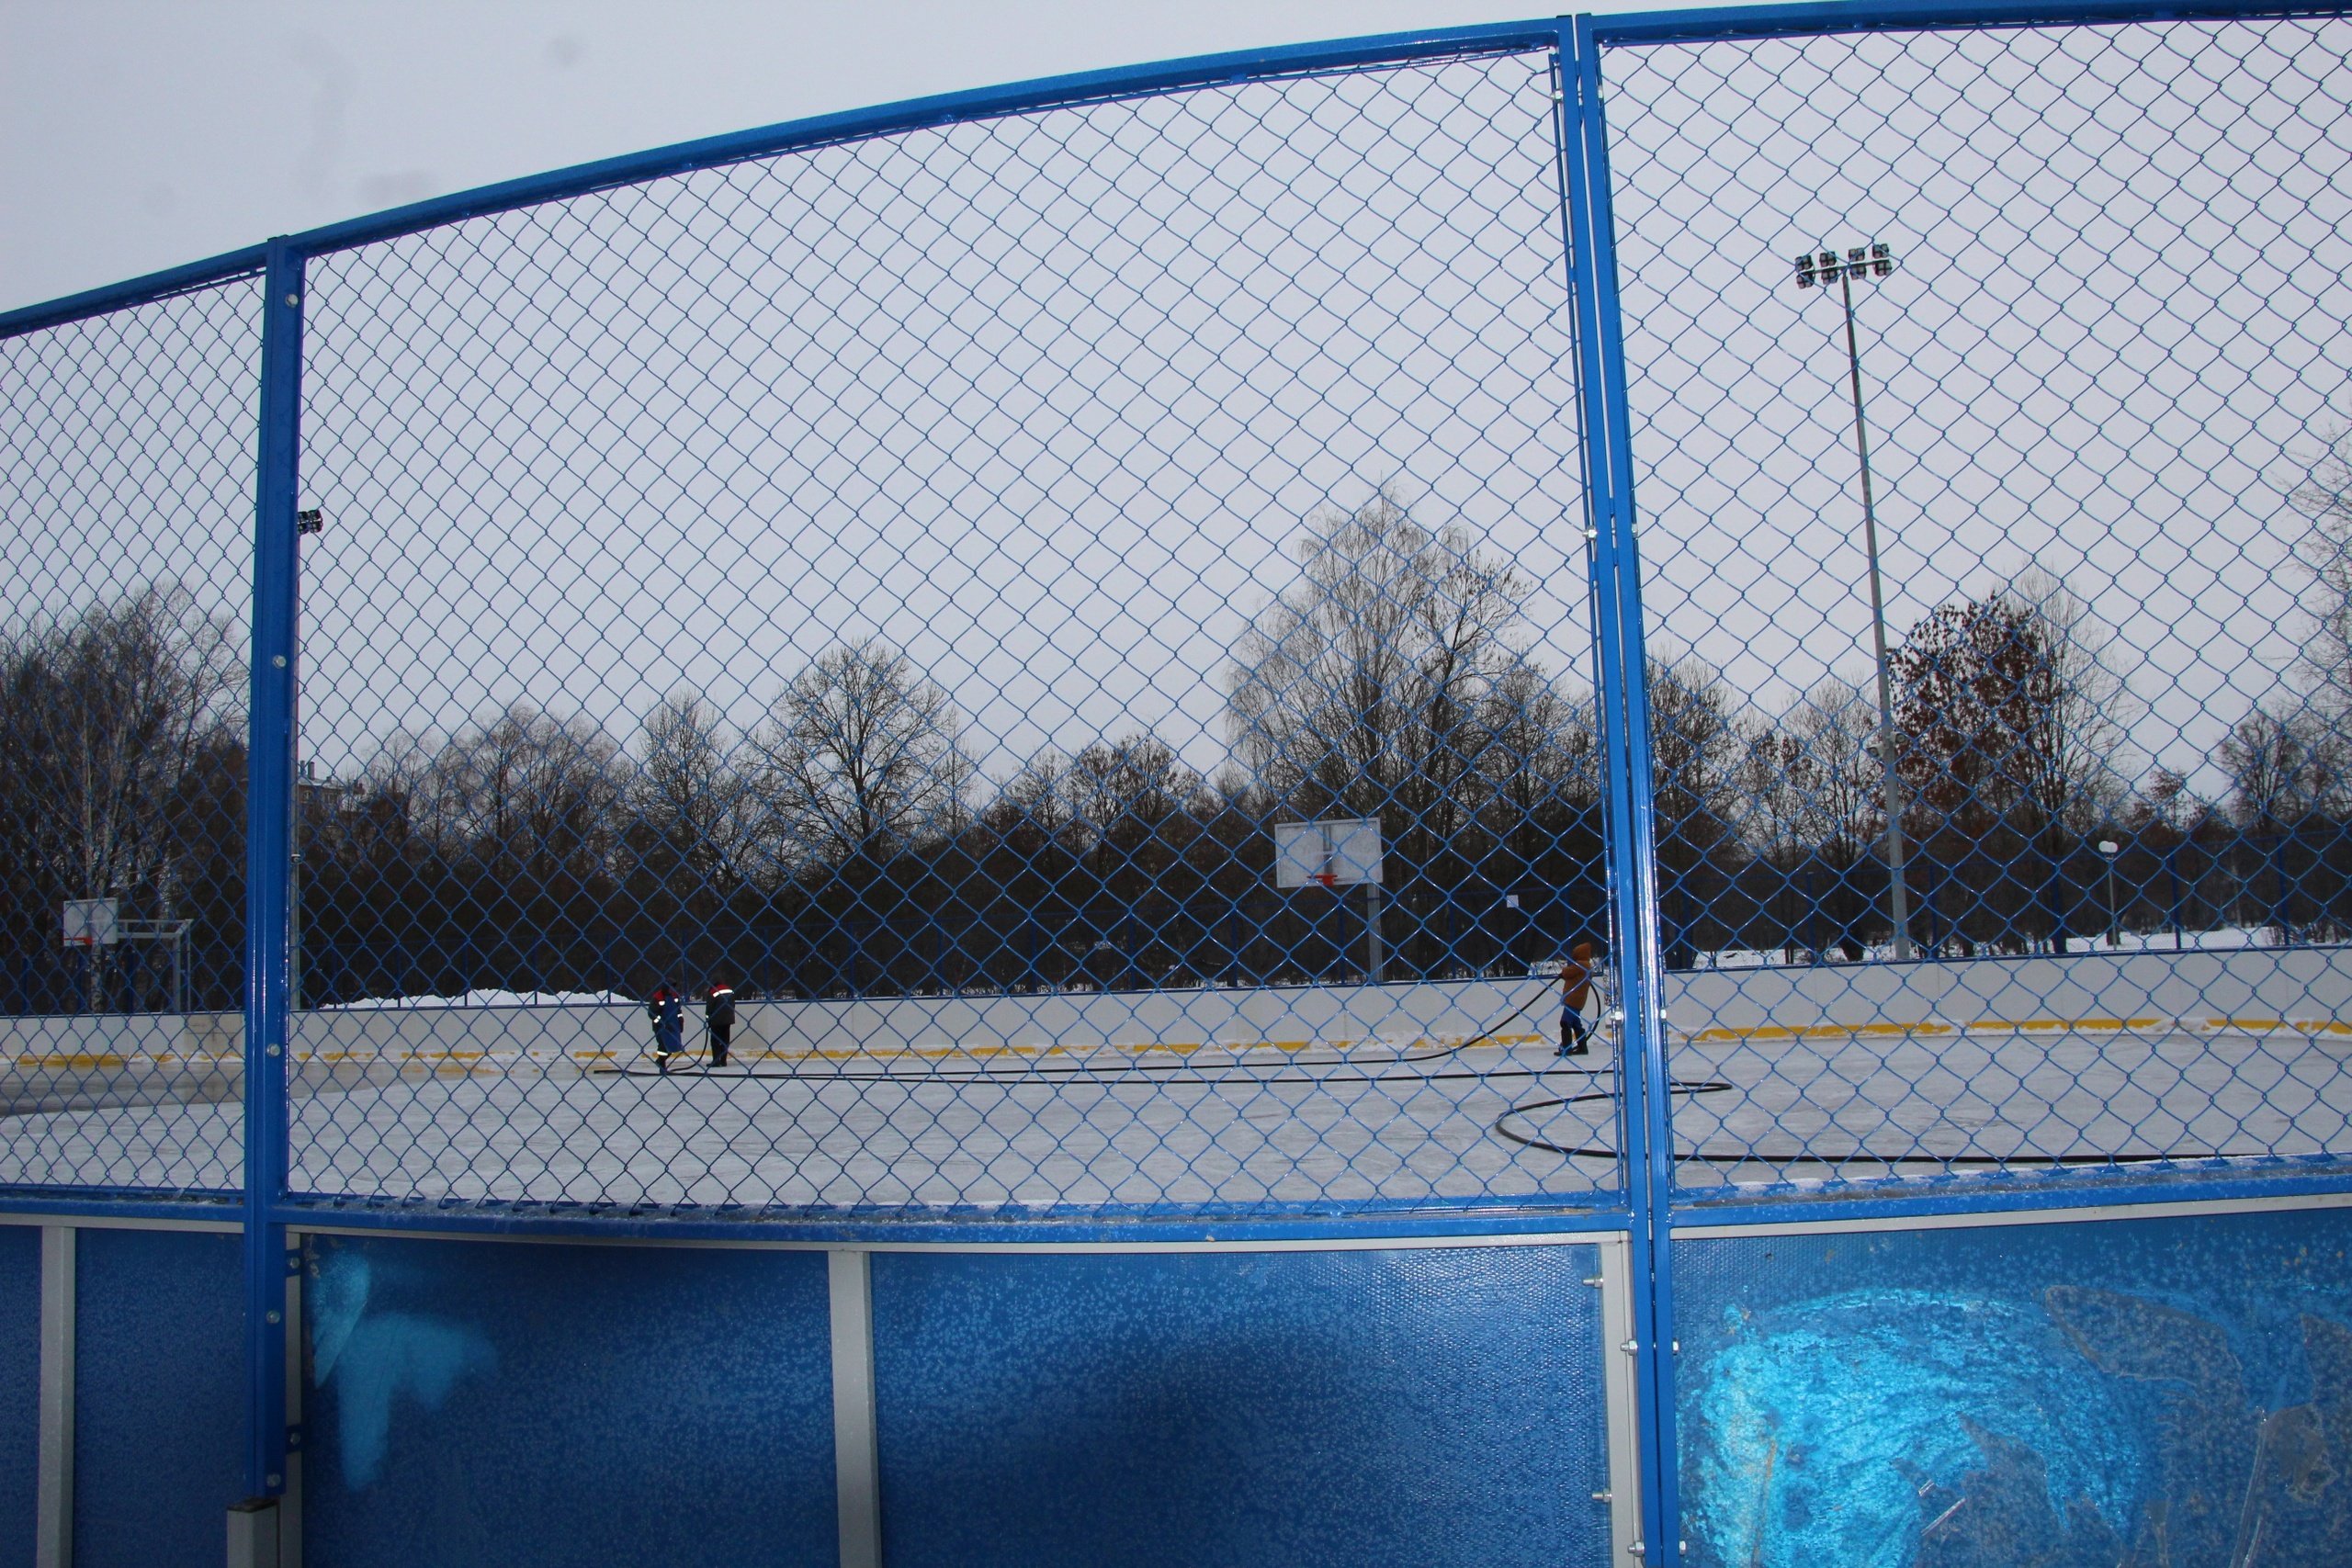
(138, 134)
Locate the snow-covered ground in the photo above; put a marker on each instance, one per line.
(489, 999)
(2220, 939)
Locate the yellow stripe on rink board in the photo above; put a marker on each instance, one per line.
(2011, 1026)
(77, 1061)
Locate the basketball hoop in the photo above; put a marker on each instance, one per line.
(89, 923)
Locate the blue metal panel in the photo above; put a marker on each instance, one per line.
(516, 1405)
(159, 1403)
(19, 1391)
(2144, 1391)
(1408, 1406)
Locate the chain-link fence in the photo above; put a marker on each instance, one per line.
(1989, 408)
(127, 452)
(911, 583)
(1046, 653)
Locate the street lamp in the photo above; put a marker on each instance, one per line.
(1822, 268)
(2109, 849)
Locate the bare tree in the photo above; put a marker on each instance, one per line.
(860, 756)
(102, 720)
(1538, 762)
(1694, 754)
(532, 796)
(698, 806)
(2326, 497)
(2080, 714)
(1124, 792)
(1360, 688)
(2285, 771)
(1812, 803)
(1032, 809)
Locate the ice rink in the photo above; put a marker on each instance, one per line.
(1301, 1123)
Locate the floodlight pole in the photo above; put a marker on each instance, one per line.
(2108, 850)
(1880, 261)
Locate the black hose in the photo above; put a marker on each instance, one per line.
(1243, 1072)
(1860, 1155)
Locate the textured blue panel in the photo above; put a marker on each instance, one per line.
(2158, 1391)
(158, 1395)
(19, 1390)
(507, 1404)
(1408, 1406)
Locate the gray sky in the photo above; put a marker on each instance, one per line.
(138, 134)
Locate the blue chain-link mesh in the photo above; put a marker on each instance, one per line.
(2098, 296)
(127, 453)
(911, 583)
(1046, 661)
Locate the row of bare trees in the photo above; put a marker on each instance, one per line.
(848, 825)
(847, 837)
(122, 771)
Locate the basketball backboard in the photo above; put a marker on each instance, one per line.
(90, 922)
(1336, 853)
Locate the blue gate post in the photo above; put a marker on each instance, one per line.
(1646, 1113)
(269, 806)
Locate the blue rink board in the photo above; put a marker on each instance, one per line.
(513, 1405)
(19, 1391)
(159, 1401)
(1408, 1406)
(2143, 1392)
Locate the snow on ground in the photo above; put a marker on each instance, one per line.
(2220, 939)
(492, 1000)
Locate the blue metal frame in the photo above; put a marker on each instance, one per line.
(1720, 23)
(1982, 1192)
(269, 809)
(133, 1206)
(586, 1221)
(146, 290)
(1646, 1108)
(928, 113)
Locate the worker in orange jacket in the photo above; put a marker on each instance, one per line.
(1576, 989)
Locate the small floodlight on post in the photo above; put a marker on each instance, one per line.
(2108, 850)
(1822, 268)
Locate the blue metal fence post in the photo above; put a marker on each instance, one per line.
(269, 806)
(1646, 1113)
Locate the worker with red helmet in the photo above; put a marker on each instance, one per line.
(720, 1010)
(668, 1016)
